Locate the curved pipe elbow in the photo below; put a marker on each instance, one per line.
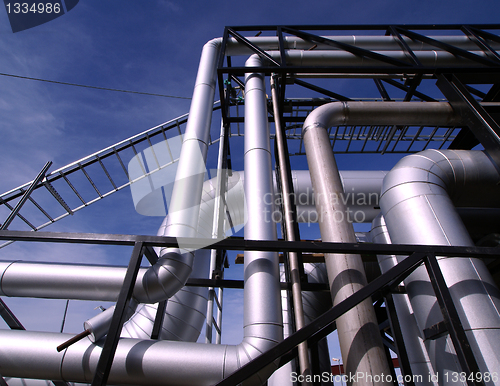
(165, 278)
(427, 186)
(250, 348)
(377, 113)
(326, 115)
(442, 172)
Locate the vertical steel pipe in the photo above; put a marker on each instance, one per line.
(261, 268)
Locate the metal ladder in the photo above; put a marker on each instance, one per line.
(77, 185)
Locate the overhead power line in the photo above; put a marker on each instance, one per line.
(94, 87)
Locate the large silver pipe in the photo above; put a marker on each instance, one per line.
(423, 187)
(171, 272)
(172, 363)
(261, 268)
(99, 282)
(420, 364)
(360, 341)
(379, 43)
(185, 312)
(343, 58)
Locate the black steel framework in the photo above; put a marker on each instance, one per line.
(457, 85)
(383, 286)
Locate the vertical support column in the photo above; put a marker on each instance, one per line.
(291, 228)
(217, 225)
(360, 341)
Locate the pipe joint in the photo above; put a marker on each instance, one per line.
(165, 278)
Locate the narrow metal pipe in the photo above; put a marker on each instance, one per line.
(315, 304)
(216, 224)
(290, 223)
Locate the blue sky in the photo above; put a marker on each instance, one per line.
(150, 46)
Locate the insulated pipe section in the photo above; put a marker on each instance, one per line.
(173, 268)
(261, 268)
(185, 312)
(172, 363)
(421, 367)
(360, 341)
(423, 187)
(342, 58)
(378, 113)
(379, 43)
(96, 282)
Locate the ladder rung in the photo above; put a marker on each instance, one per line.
(121, 162)
(91, 182)
(140, 159)
(11, 208)
(57, 196)
(168, 148)
(217, 302)
(41, 209)
(73, 188)
(106, 172)
(153, 151)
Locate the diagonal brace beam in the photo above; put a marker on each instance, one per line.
(108, 351)
(484, 127)
(322, 326)
(25, 196)
(346, 47)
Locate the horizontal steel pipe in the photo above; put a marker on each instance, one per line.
(378, 43)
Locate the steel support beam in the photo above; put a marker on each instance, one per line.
(323, 325)
(239, 244)
(119, 316)
(25, 196)
(404, 361)
(452, 321)
(485, 128)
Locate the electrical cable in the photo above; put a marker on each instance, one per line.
(94, 87)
